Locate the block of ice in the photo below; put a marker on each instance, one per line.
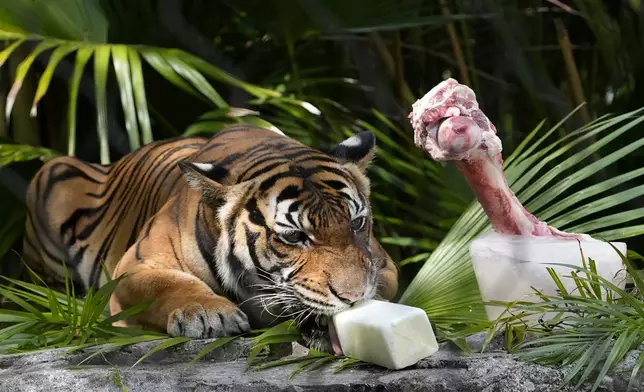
(507, 265)
(390, 335)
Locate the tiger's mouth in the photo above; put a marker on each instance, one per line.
(335, 341)
(320, 334)
(313, 318)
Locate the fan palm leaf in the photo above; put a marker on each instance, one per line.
(446, 286)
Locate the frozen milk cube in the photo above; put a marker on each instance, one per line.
(387, 334)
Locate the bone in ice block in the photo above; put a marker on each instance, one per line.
(507, 265)
(449, 126)
(390, 335)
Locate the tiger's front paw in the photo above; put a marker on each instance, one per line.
(195, 320)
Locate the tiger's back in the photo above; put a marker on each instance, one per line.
(81, 214)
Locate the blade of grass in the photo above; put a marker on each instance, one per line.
(12, 316)
(622, 345)
(593, 190)
(162, 346)
(120, 342)
(597, 356)
(127, 313)
(636, 369)
(217, 73)
(219, 342)
(23, 304)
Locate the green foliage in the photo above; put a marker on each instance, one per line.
(11, 153)
(590, 330)
(50, 319)
(184, 70)
(287, 332)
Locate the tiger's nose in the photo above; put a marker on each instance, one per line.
(351, 296)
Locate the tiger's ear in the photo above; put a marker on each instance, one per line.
(200, 176)
(359, 149)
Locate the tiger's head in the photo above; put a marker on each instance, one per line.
(297, 241)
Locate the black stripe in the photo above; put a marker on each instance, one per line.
(174, 252)
(267, 152)
(294, 206)
(294, 272)
(289, 217)
(206, 243)
(235, 128)
(317, 158)
(285, 225)
(254, 214)
(335, 184)
(259, 172)
(302, 172)
(251, 240)
(146, 233)
(290, 192)
(275, 251)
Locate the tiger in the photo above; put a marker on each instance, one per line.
(223, 235)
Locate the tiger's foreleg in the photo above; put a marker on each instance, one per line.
(183, 304)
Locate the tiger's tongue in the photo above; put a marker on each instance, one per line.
(335, 342)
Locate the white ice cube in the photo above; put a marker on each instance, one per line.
(391, 335)
(507, 265)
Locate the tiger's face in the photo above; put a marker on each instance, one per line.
(315, 241)
(297, 241)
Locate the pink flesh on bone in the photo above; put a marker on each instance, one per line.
(449, 126)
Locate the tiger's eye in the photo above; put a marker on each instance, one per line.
(294, 237)
(358, 223)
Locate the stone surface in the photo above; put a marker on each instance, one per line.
(225, 370)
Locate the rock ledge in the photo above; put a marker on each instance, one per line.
(225, 370)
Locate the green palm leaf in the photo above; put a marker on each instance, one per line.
(19, 152)
(446, 286)
(88, 22)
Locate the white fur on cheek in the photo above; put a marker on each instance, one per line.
(229, 279)
(223, 248)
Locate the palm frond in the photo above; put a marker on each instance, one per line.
(184, 70)
(10, 153)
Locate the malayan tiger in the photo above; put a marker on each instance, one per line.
(225, 234)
